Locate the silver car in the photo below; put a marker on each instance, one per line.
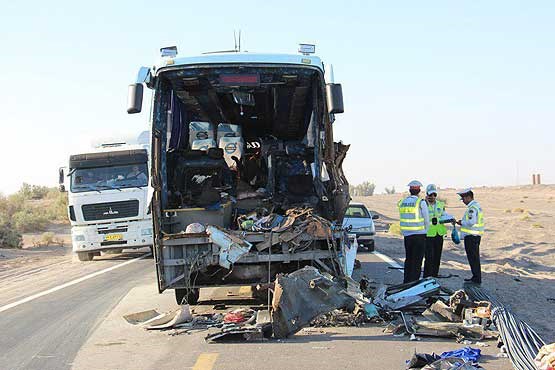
(361, 222)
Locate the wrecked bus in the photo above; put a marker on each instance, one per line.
(246, 176)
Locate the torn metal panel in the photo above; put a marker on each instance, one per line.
(232, 248)
(302, 296)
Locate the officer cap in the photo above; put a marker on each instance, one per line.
(415, 184)
(464, 191)
(431, 189)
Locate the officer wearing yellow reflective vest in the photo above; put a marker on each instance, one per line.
(414, 222)
(472, 229)
(436, 231)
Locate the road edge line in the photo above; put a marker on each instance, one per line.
(390, 261)
(69, 283)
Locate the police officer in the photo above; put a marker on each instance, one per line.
(472, 229)
(436, 231)
(414, 222)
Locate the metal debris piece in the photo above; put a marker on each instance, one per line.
(232, 248)
(404, 295)
(297, 302)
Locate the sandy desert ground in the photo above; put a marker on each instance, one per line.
(517, 250)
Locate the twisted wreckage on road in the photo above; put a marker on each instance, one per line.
(247, 178)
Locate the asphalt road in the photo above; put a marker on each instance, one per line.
(47, 332)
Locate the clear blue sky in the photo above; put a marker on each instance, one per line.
(457, 93)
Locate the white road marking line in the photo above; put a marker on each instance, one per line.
(391, 262)
(69, 283)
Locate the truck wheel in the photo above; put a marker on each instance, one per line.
(189, 295)
(370, 246)
(85, 256)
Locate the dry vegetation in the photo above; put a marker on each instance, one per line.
(32, 209)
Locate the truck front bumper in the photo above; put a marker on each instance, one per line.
(118, 235)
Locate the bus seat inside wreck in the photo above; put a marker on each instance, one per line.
(247, 152)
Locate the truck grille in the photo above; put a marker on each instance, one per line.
(110, 210)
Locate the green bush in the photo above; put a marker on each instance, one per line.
(57, 209)
(9, 237)
(390, 190)
(30, 220)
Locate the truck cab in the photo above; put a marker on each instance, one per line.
(243, 160)
(108, 197)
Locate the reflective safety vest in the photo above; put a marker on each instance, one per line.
(436, 210)
(410, 216)
(478, 227)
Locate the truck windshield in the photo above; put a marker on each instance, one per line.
(112, 177)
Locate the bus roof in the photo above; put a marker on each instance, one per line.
(242, 57)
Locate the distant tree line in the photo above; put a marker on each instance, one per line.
(362, 190)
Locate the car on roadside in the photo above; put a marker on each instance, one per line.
(361, 222)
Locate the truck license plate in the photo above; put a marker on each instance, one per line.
(113, 237)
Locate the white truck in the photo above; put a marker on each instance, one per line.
(109, 199)
(247, 180)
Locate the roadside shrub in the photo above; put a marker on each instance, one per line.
(9, 237)
(30, 220)
(390, 190)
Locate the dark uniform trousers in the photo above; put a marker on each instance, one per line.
(472, 248)
(415, 246)
(434, 247)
